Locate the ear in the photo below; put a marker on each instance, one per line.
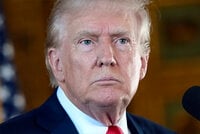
(144, 64)
(55, 63)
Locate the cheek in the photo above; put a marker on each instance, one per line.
(77, 70)
(73, 77)
(132, 65)
(132, 71)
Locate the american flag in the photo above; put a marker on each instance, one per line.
(11, 100)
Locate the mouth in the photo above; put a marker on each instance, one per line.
(106, 81)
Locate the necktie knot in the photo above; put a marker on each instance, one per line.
(114, 130)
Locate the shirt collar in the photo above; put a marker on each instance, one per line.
(84, 123)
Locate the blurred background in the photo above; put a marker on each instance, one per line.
(174, 64)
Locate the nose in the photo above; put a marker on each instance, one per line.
(106, 56)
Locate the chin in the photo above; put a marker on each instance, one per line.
(110, 101)
(109, 97)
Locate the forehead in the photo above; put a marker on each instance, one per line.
(100, 23)
(105, 7)
(76, 5)
(115, 19)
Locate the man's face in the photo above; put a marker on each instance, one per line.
(99, 63)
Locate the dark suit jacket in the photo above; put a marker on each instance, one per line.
(51, 118)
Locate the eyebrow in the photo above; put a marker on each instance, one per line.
(87, 33)
(120, 33)
(96, 33)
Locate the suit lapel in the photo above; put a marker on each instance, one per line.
(132, 125)
(52, 117)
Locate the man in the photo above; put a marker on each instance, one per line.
(97, 52)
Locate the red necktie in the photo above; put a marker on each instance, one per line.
(114, 130)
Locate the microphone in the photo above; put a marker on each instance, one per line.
(191, 101)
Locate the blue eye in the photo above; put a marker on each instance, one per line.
(86, 42)
(123, 41)
(123, 44)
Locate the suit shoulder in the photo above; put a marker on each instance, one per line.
(147, 126)
(20, 118)
(19, 124)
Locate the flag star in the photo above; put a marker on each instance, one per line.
(19, 101)
(7, 72)
(4, 93)
(8, 50)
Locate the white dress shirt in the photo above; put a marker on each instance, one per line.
(83, 122)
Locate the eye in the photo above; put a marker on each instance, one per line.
(86, 42)
(123, 44)
(122, 41)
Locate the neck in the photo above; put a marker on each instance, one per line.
(106, 115)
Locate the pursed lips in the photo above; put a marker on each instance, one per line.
(106, 81)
